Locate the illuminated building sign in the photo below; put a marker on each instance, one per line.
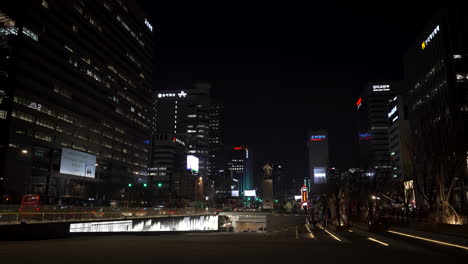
(148, 25)
(318, 137)
(180, 95)
(393, 111)
(430, 37)
(238, 148)
(304, 193)
(359, 102)
(174, 139)
(365, 136)
(381, 88)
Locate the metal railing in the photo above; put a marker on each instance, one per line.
(12, 214)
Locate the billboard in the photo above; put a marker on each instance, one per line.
(235, 193)
(320, 175)
(77, 163)
(192, 163)
(250, 193)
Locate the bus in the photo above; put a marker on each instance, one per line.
(36, 202)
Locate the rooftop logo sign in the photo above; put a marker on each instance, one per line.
(430, 37)
(381, 88)
(180, 95)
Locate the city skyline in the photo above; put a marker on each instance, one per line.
(289, 77)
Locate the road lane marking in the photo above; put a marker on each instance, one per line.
(335, 237)
(427, 239)
(310, 232)
(377, 241)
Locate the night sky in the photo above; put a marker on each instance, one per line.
(282, 71)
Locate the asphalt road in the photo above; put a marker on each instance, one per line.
(281, 246)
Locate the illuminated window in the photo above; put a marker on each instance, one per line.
(30, 33)
(45, 123)
(457, 56)
(23, 116)
(43, 136)
(3, 114)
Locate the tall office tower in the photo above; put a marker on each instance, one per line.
(436, 75)
(75, 88)
(185, 114)
(217, 159)
(240, 170)
(318, 161)
(372, 109)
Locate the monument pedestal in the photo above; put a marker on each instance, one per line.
(268, 194)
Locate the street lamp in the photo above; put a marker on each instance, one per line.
(24, 151)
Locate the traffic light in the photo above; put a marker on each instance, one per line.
(276, 201)
(248, 198)
(145, 185)
(130, 185)
(160, 184)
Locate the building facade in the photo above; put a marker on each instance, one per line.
(62, 93)
(436, 81)
(398, 134)
(168, 175)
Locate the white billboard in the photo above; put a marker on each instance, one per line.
(320, 175)
(250, 193)
(77, 163)
(192, 163)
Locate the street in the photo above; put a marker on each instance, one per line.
(282, 246)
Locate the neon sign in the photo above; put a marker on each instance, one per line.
(318, 137)
(359, 102)
(430, 37)
(238, 148)
(148, 25)
(365, 136)
(393, 111)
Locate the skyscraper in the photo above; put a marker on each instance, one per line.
(240, 170)
(75, 117)
(217, 159)
(372, 108)
(185, 115)
(318, 161)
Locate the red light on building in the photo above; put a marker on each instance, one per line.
(238, 148)
(359, 102)
(174, 139)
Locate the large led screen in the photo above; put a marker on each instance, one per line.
(77, 163)
(192, 163)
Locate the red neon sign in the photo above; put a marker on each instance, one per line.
(359, 101)
(238, 148)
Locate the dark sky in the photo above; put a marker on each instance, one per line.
(282, 71)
